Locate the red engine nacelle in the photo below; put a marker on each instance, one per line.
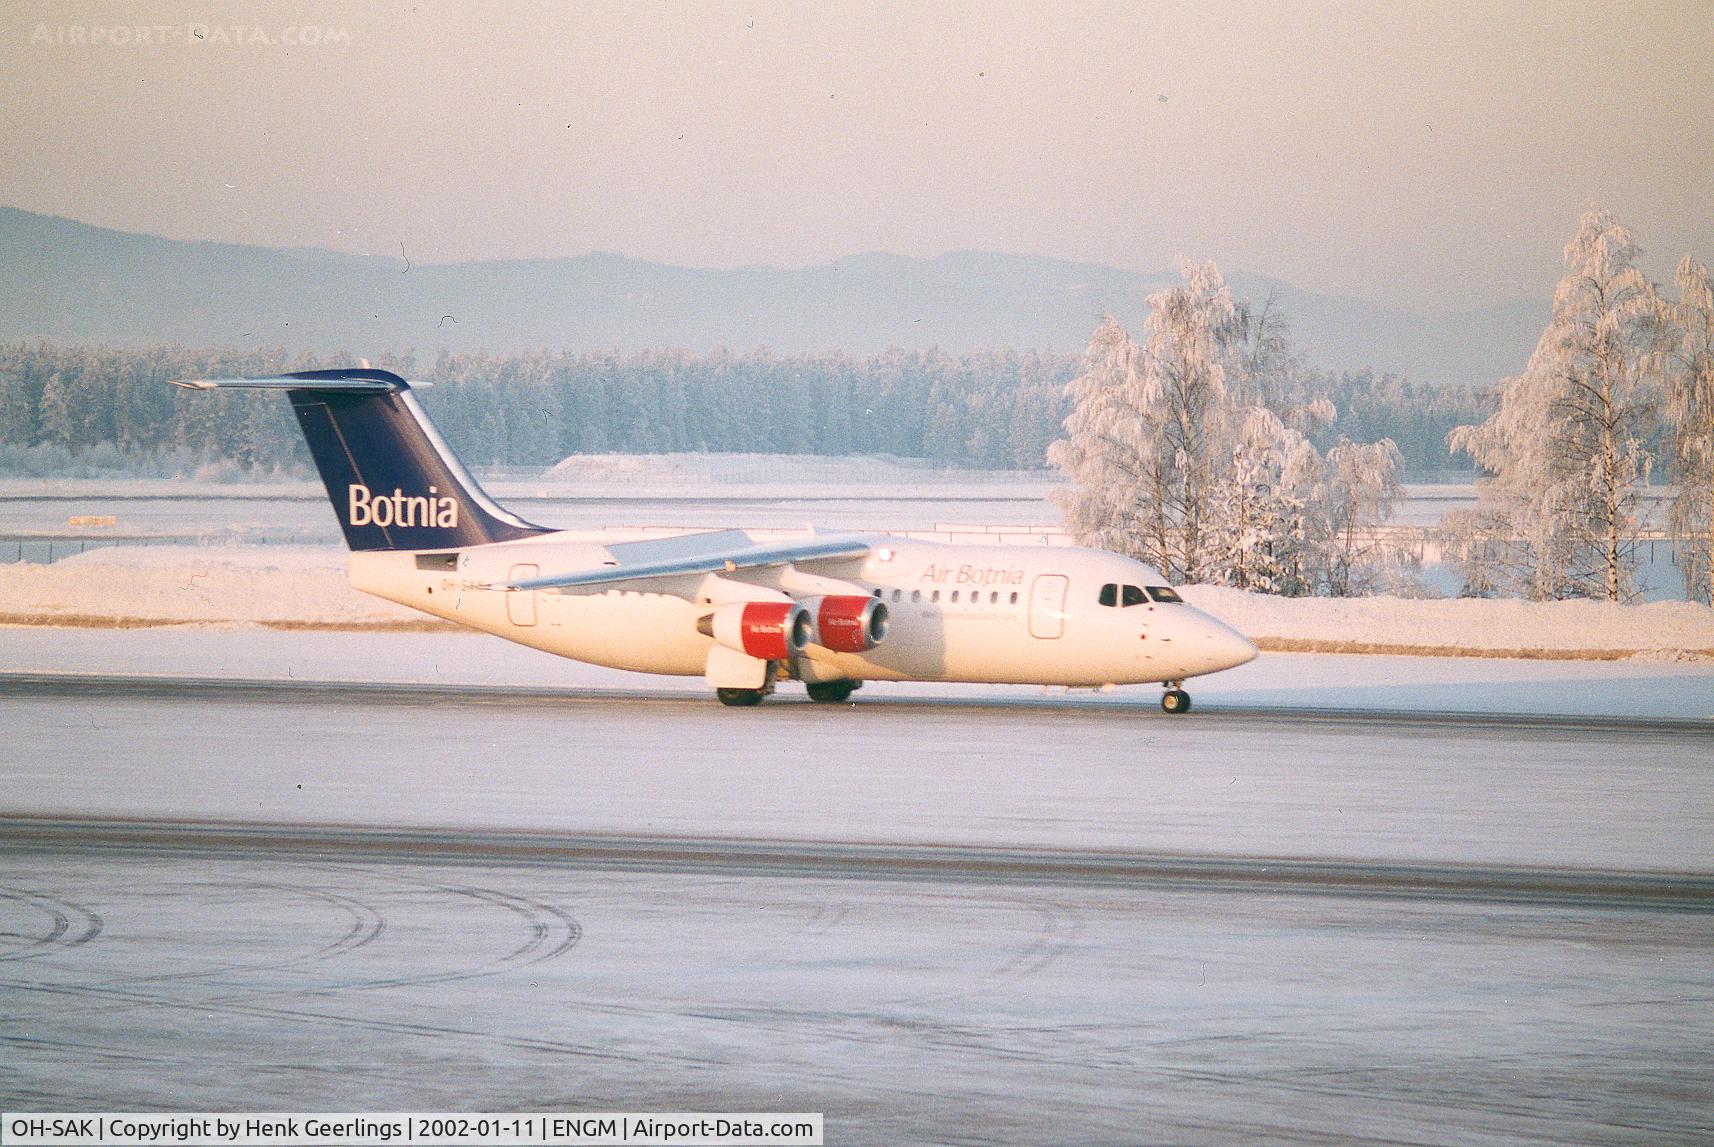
(849, 624)
(770, 630)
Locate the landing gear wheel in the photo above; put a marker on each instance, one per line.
(831, 692)
(1175, 701)
(741, 698)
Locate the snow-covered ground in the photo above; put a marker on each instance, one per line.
(1672, 630)
(306, 586)
(907, 1012)
(701, 471)
(149, 584)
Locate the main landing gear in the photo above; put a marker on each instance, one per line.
(827, 692)
(1175, 699)
(832, 692)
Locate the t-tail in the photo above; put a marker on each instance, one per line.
(394, 483)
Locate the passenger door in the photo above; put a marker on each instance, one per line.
(1047, 606)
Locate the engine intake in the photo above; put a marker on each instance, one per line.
(769, 630)
(849, 624)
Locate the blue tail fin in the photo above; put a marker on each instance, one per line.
(393, 482)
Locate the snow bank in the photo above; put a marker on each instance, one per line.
(143, 585)
(1460, 625)
(832, 471)
(306, 587)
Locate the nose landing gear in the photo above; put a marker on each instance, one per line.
(1175, 699)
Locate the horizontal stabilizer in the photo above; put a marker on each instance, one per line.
(713, 561)
(355, 380)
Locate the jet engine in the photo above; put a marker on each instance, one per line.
(769, 630)
(849, 624)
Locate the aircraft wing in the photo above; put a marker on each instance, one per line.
(714, 560)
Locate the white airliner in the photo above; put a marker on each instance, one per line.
(830, 610)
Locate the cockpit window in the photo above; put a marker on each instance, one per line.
(1164, 593)
(1110, 594)
(1133, 595)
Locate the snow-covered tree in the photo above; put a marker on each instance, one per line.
(17, 409)
(1192, 335)
(1191, 452)
(1149, 431)
(1248, 523)
(1268, 371)
(1108, 448)
(1362, 484)
(1568, 445)
(1269, 506)
(1480, 544)
(58, 413)
(1302, 498)
(1690, 409)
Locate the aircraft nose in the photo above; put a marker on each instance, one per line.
(1223, 647)
(1233, 648)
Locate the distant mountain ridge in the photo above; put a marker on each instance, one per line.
(71, 282)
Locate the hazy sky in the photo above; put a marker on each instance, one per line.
(1433, 156)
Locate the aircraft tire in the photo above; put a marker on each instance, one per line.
(831, 692)
(739, 698)
(1175, 701)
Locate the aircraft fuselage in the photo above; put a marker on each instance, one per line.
(1000, 614)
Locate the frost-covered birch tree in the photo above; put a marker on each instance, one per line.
(1108, 452)
(1183, 396)
(1690, 409)
(1269, 503)
(1568, 445)
(1150, 428)
(1362, 484)
(1191, 452)
(1250, 524)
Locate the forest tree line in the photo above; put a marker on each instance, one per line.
(82, 409)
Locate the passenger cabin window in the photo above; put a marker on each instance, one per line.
(1110, 593)
(897, 594)
(1164, 593)
(1134, 595)
(916, 595)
